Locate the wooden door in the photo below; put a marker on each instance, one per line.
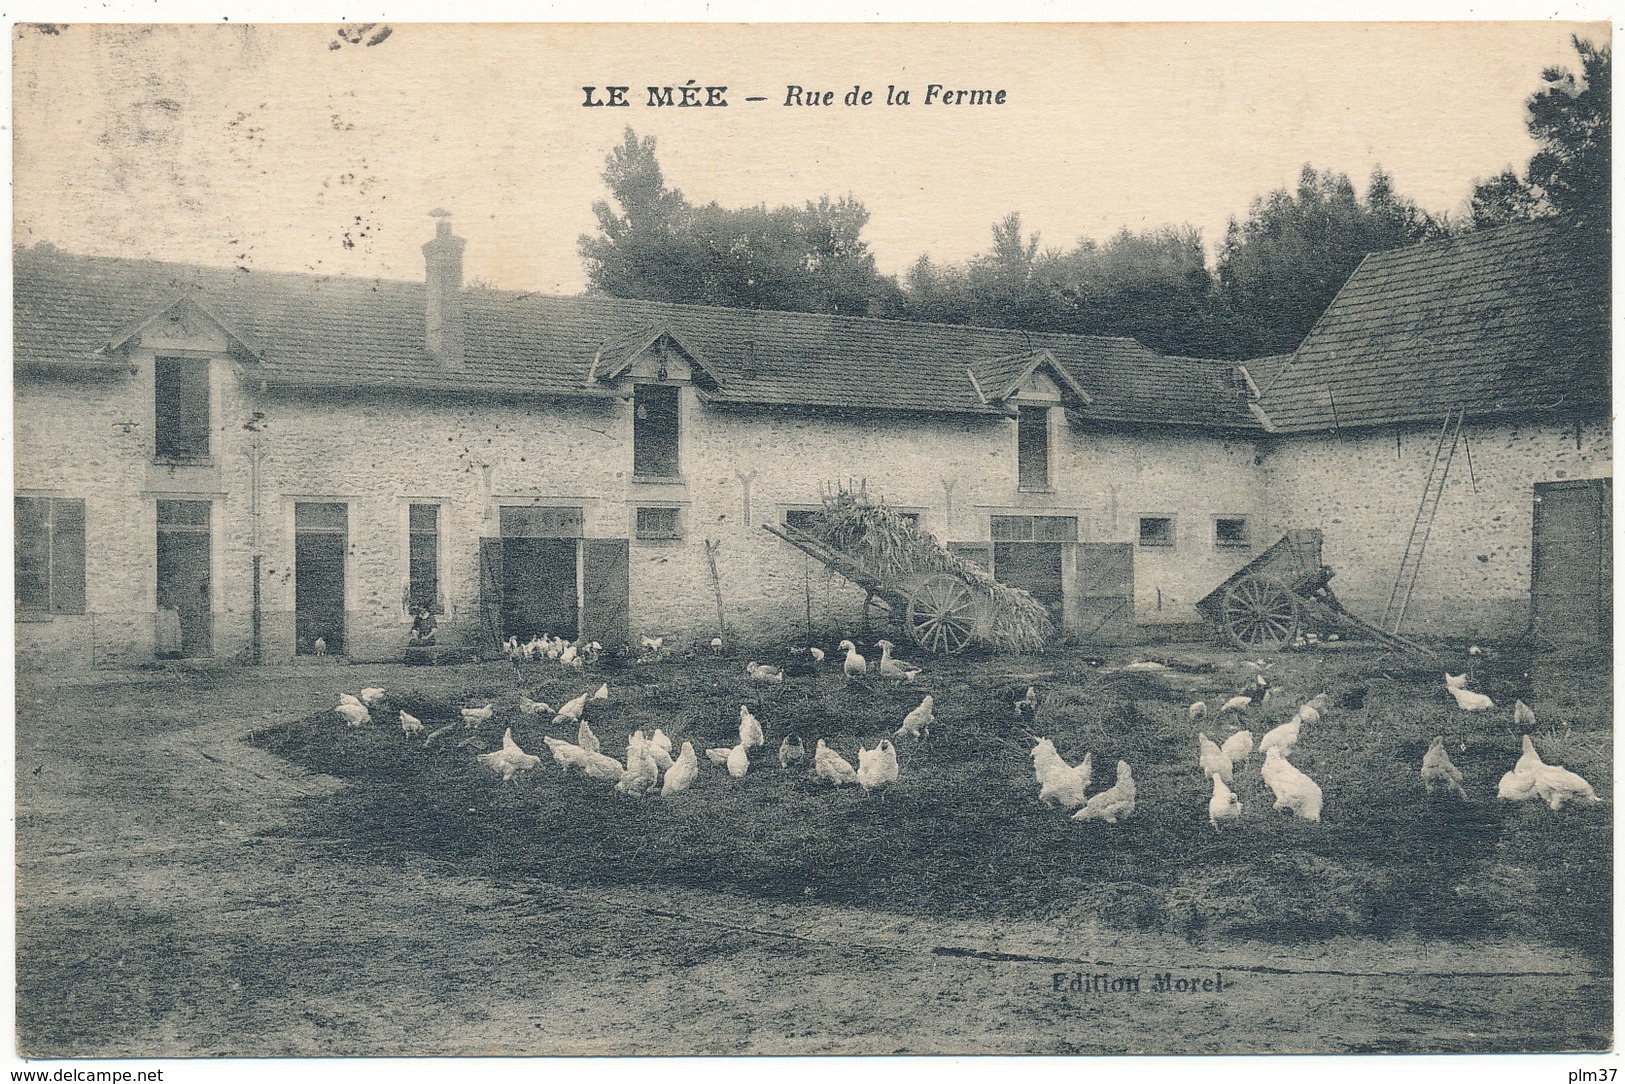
(1106, 592)
(1571, 570)
(606, 591)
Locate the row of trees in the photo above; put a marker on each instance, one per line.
(1275, 271)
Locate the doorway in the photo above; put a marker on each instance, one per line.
(1029, 552)
(539, 587)
(185, 614)
(321, 539)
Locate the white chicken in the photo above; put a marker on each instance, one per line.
(601, 693)
(570, 657)
(1059, 781)
(791, 751)
(567, 755)
(877, 766)
(894, 668)
(587, 739)
(1523, 717)
(1466, 699)
(572, 710)
(660, 751)
(1283, 737)
(411, 724)
(831, 766)
(680, 776)
(660, 740)
(527, 706)
(510, 760)
(346, 698)
(642, 774)
(372, 695)
(354, 714)
(765, 674)
(817, 653)
(1224, 805)
(1211, 759)
(653, 644)
(750, 729)
(856, 665)
(1196, 710)
(1238, 746)
(473, 717)
(1520, 784)
(917, 723)
(1114, 804)
(1437, 768)
(1293, 790)
(605, 769)
(1556, 785)
(1236, 703)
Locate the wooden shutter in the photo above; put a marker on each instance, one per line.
(491, 590)
(33, 554)
(67, 556)
(606, 591)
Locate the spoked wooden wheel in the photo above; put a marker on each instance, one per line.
(943, 615)
(1260, 614)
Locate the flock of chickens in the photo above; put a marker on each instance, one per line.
(651, 764)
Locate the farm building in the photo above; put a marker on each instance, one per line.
(238, 465)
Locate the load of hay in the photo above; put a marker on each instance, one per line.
(891, 547)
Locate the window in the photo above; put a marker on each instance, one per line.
(50, 555)
(657, 523)
(1032, 448)
(1230, 532)
(1034, 528)
(423, 558)
(654, 431)
(1156, 530)
(181, 408)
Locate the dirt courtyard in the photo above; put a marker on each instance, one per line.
(168, 905)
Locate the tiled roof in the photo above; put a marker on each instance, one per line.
(1502, 321)
(337, 331)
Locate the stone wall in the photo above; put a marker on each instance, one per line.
(377, 452)
(1363, 489)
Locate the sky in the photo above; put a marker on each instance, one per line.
(286, 147)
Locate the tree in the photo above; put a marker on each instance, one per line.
(1279, 269)
(1569, 174)
(658, 247)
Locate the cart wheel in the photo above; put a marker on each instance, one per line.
(1260, 614)
(943, 615)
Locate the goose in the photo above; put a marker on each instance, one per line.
(856, 665)
(894, 668)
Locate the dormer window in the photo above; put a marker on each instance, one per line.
(654, 431)
(1032, 448)
(181, 408)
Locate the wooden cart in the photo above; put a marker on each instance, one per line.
(1282, 593)
(936, 609)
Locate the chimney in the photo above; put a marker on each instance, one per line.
(444, 259)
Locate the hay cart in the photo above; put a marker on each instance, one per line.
(1282, 593)
(937, 609)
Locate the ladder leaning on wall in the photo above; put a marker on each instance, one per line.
(1410, 565)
